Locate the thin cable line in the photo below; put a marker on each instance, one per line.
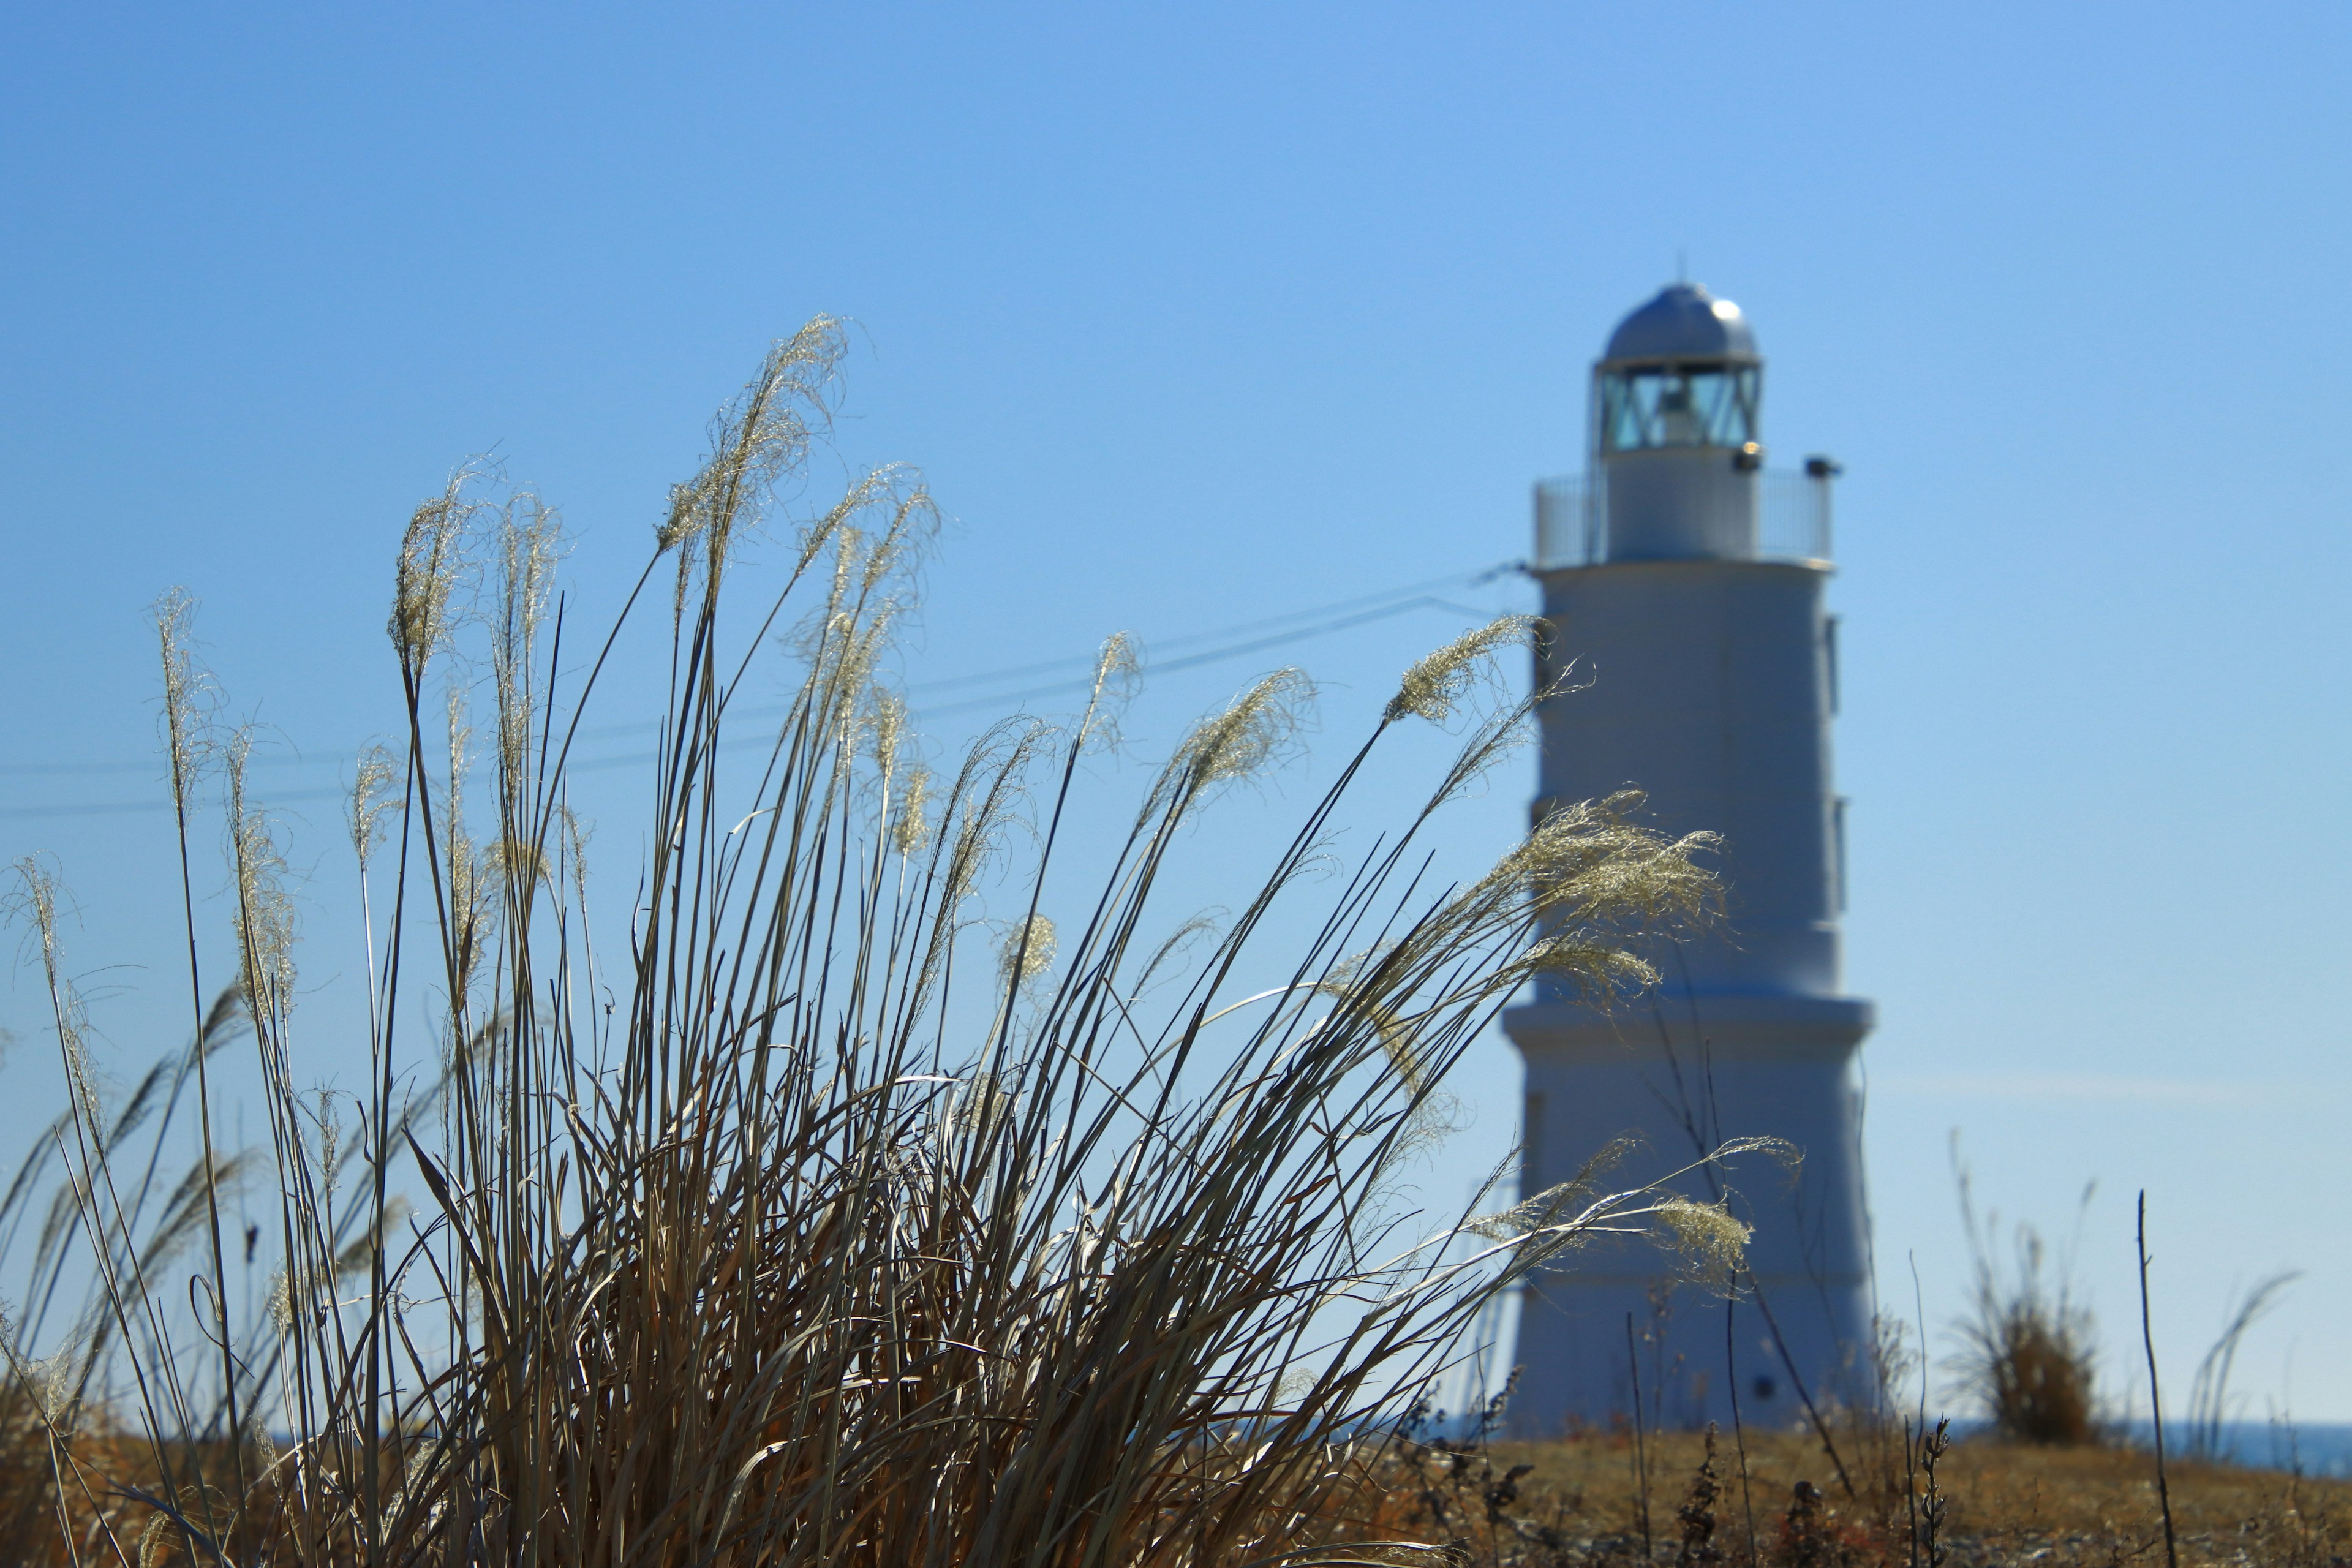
(1349, 614)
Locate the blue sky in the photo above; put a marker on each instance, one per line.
(1198, 316)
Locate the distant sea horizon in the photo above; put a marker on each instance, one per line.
(2297, 1448)
(2316, 1448)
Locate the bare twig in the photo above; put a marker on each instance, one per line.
(2155, 1395)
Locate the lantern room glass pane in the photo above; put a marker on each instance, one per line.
(1679, 405)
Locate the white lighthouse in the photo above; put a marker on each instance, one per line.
(1682, 587)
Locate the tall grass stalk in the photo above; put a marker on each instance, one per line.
(793, 1230)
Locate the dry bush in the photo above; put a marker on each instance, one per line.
(793, 1230)
(2028, 1350)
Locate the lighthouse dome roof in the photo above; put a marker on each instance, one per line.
(1684, 323)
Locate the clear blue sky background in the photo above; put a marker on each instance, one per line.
(1200, 315)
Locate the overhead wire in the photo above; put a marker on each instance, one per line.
(1253, 636)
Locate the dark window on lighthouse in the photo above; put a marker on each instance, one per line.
(1829, 645)
(1837, 826)
(1531, 1148)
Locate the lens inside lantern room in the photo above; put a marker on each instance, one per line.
(1679, 405)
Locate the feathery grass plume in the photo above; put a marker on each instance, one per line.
(762, 433)
(467, 904)
(755, 440)
(1436, 685)
(185, 717)
(575, 850)
(1191, 933)
(887, 713)
(914, 522)
(1436, 1118)
(1493, 739)
(1253, 733)
(52, 1381)
(330, 1136)
(188, 746)
(910, 829)
(527, 542)
(1596, 876)
(988, 793)
(1714, 1242)
(1027, 951)
(264, 914)
(279, 1302)
(143, 1101)
(372, 800)
(1344, 983)
(425, 574)
(517, 862)
(36, 897)
(842, 643)
(1562, 1201)
(70, 1192)
(174, 1536)
(1118, 673)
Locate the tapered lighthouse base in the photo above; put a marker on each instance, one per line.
(1687, 1075)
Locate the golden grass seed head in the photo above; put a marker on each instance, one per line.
(425, 574)
(682, 520)
(762, 434)
(1256, 730)
(1590, 860)
(1346, 982)
(1434, 685)
(1558, 1203)
(914, 519)
(1714, 1242)
(528, 542)
(1118, 672)
(164, 1542)
(576, 840)
(372, 800)
(1027, 951)
(330, 1138)
(1436, 1118)
(886, 717)
(517, 861)
(265, 913)
(910, 829)
(257, 1431)
(187, 728)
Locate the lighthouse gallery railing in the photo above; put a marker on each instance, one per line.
(1792, 519)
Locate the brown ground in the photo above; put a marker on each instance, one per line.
(1579, 1501)
(1580, 1504)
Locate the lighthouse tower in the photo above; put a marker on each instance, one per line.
(1682, 591)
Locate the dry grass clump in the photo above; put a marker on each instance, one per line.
(2029, 1351)
(789, 1230)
